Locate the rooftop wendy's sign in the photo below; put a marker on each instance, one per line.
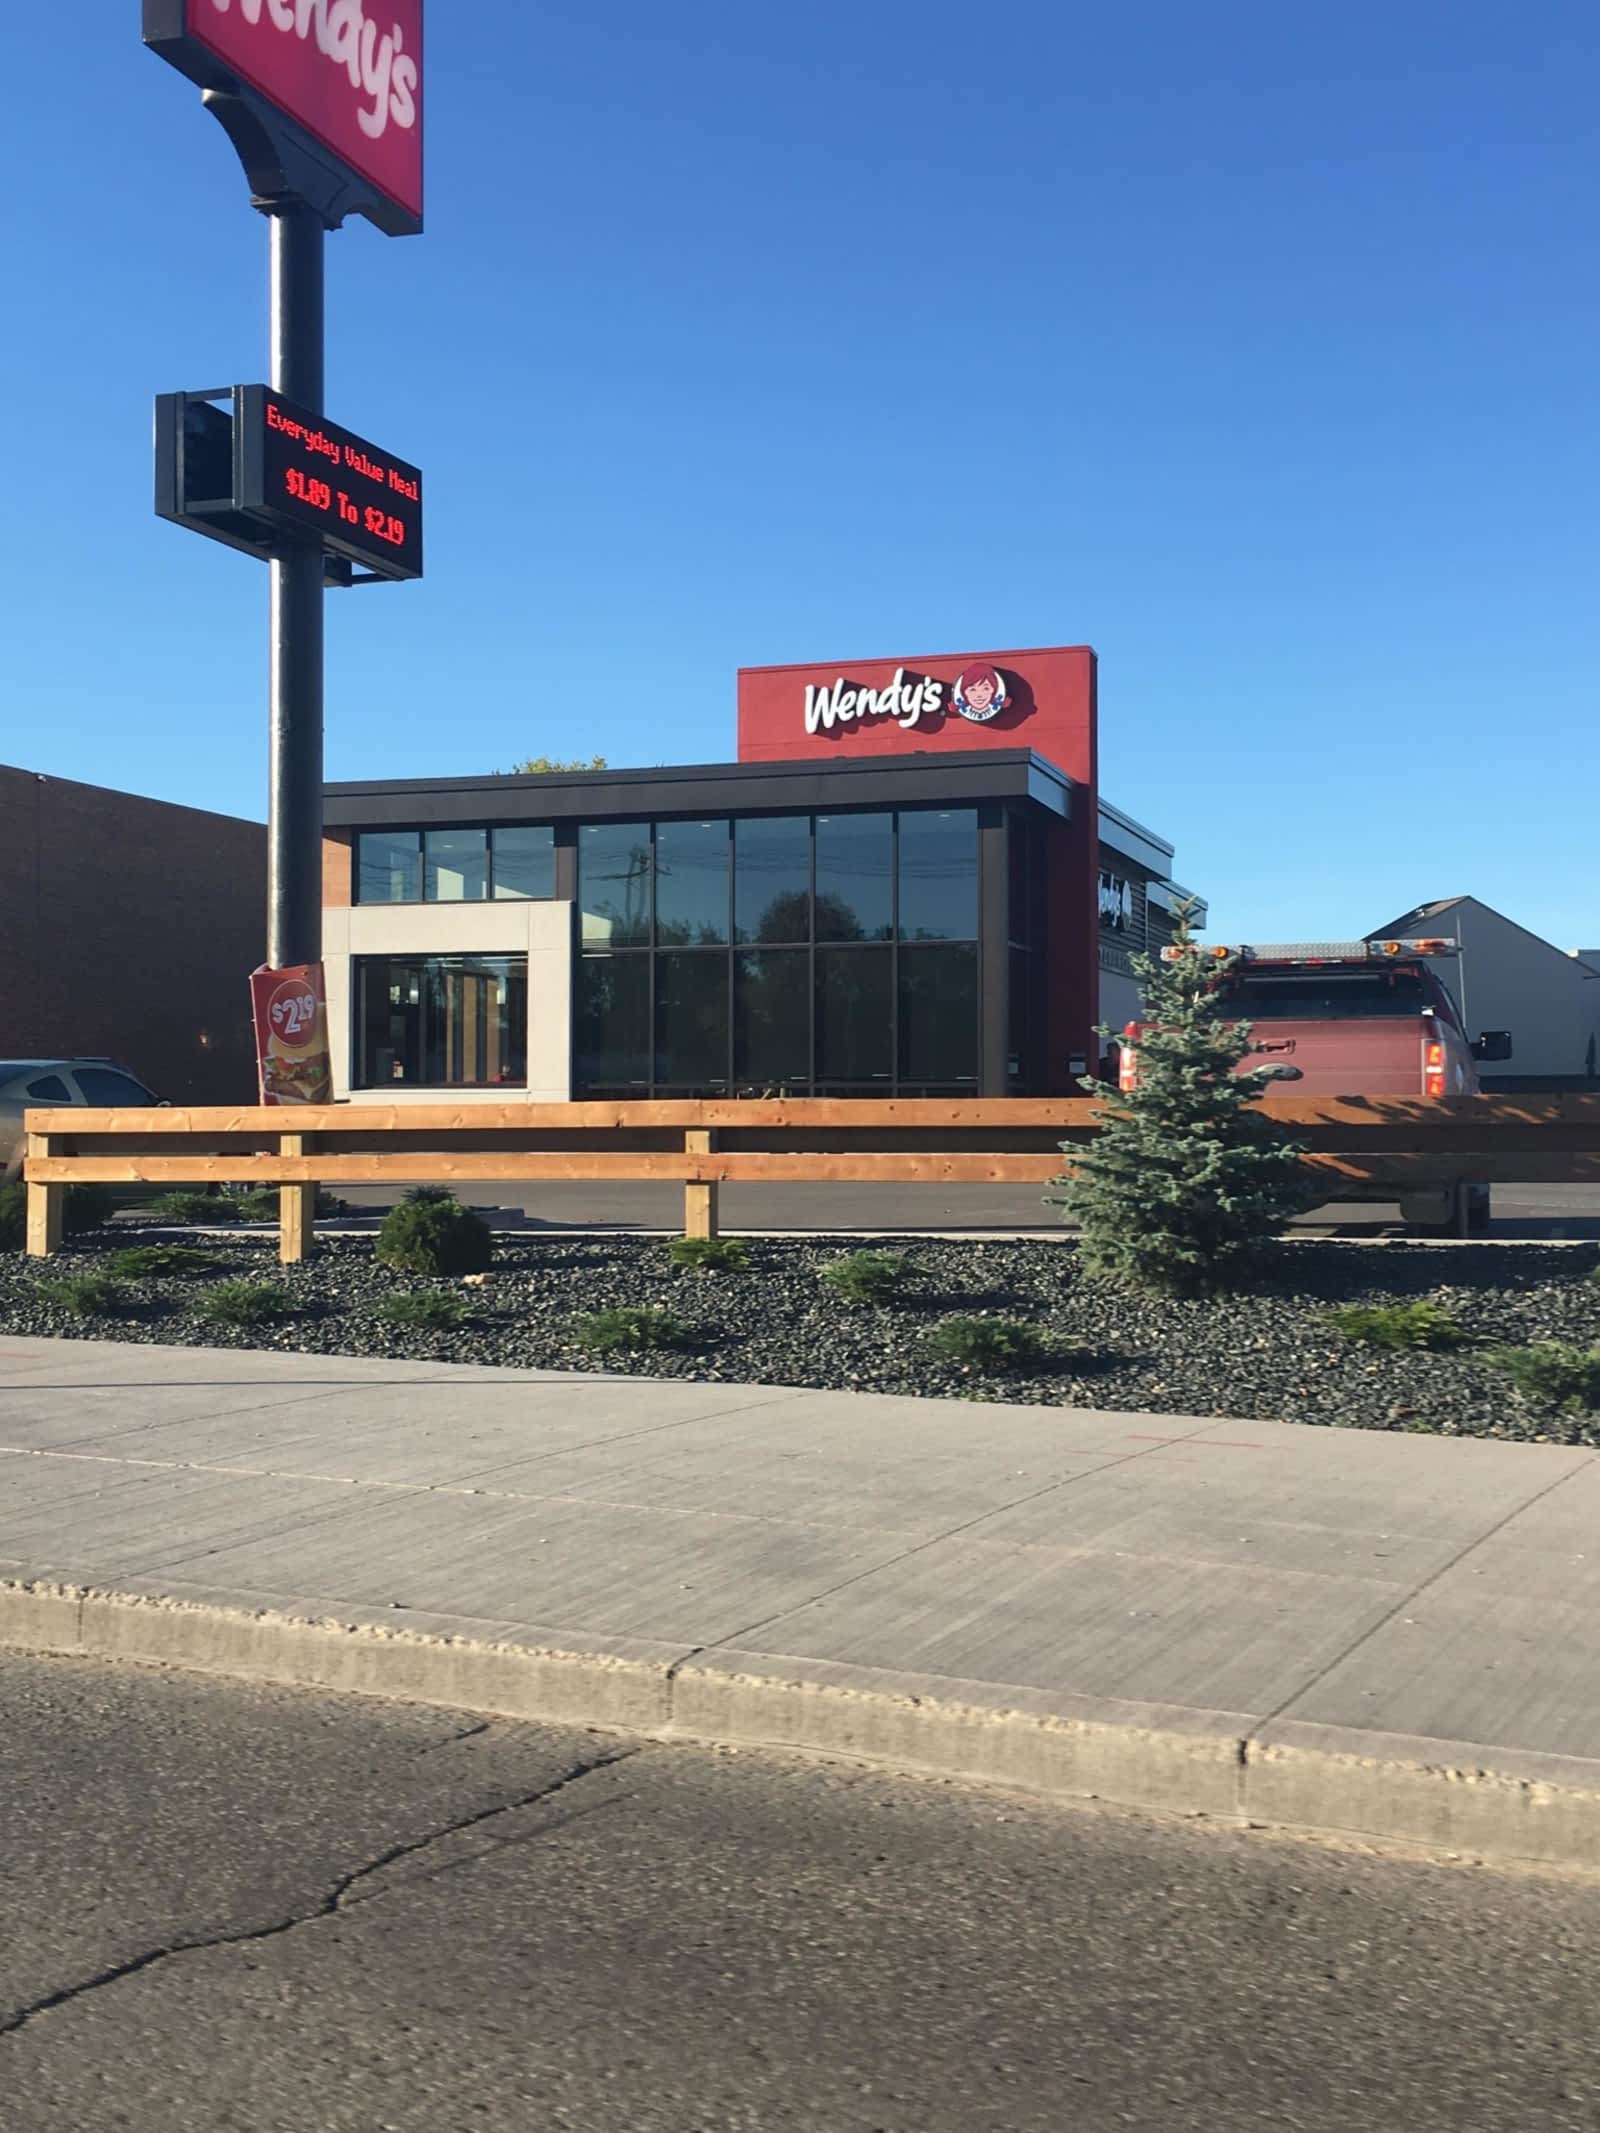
(977, 693)
(346, 72)
(1041, 699)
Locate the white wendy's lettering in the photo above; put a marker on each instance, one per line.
(904, 701)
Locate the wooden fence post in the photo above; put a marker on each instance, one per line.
(699, 1200)
(297, 1208)
(47, 1206)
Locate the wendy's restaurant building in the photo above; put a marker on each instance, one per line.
(907, 884)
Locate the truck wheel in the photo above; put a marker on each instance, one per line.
(1477, 1210)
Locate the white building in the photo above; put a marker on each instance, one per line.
(1508, 978)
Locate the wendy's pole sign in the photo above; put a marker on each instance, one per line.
(322, 98)
(323, 101)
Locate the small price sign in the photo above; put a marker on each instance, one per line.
(291, 1021)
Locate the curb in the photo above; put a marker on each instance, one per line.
(1309, 1781)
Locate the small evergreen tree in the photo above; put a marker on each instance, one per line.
(1183, 1184)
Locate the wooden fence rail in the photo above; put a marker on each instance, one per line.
(1417, 1149)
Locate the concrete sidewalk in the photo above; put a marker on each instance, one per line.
(1386, 1635)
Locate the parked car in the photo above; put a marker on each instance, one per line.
(28, 1084)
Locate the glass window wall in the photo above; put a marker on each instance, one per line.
(691, 884)
(938, 1016)
(938, 874)
(455, 866)
(389, 867)
(772, 878)
(855, 877)
(524, 860)
(855, 1019)
(441, 1021)
(772, 1019)
(691, 1020)
(458, 865)
(611, 1024)
(614, 875)
(850, 966)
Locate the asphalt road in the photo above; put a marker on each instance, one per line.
(230, 1909)
(1549, 1211)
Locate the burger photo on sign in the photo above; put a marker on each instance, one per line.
(294, 1068)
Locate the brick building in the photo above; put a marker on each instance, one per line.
(129, 927)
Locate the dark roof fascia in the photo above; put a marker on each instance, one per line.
(1132, 839)
(702, 789)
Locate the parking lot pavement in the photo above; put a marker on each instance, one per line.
(1544, 1211)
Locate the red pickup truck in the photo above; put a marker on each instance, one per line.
(1356, 1018)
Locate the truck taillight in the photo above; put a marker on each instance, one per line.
(1128, 1060)
(1433, 1068)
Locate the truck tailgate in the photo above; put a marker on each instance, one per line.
(1355, 1057)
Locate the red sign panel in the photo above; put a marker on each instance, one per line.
(291, 1018)
(348, 71)
(1043, 700)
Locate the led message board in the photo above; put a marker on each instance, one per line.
(256, 467)
(307, 475)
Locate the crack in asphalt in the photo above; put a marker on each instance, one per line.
(330, 1906)
(471, 1732)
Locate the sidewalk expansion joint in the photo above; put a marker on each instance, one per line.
(1406, 1599)
(339, 1898)
(948, 1533)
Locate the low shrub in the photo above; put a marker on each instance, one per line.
(434, 1235)
(709, 1255)
(628, 1326)
(84, 1295)
(868, 1277)
(245, 1303)
(1422, 1324)
(426, 1310)
(988, 1343)
(191, 1207)
(260, 1203)
(87, 1207)
(1553, 1374)
(256, 1203)
(427, 1195)
(140, 1261)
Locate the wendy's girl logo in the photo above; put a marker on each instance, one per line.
(979, 694)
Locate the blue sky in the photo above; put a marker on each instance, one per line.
(1254, 344)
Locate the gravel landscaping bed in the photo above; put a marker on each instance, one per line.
(1267, 1354)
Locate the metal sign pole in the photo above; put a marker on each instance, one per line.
(294, 807)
